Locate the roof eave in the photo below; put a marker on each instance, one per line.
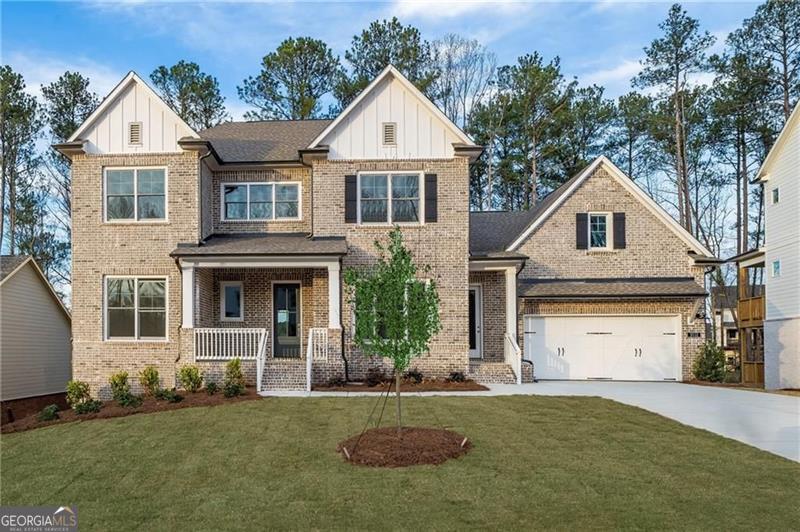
(68, 149)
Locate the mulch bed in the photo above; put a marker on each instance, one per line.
(427, 385)
(382, 447)
(112, 409)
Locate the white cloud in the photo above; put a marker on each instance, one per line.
(441, 10)
(616, 79)
(39, 69)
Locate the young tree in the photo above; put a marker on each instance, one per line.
(383, 43)
(292, 81)
(192, 94)
(669, 63)
(396, 314)
(20, 126)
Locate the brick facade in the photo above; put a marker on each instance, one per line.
(493, 284)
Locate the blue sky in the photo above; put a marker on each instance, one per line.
(599, 42)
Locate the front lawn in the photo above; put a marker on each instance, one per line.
(537, 462)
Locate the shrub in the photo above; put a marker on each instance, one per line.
(49, 413)
(148, 378)
(336, 382)
(457, 376)
(710, 365)
(129, 400)
(414, 375)
(212, 388)
(170, 396)
(77, 393)
(374, 377)
(233, 384)
(191, 378)
(120, 388)
(88, 407)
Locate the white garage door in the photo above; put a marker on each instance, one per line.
(640, 348)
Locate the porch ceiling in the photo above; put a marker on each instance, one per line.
(261, 244)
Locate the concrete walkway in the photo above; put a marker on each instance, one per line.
(764, 420)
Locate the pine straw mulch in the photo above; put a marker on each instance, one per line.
(111, 409)
(382, 447)
(406, 385)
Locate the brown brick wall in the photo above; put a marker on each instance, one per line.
(494, 312)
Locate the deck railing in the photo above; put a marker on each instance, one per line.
(513, 356)
(227, 343)
(316, 349)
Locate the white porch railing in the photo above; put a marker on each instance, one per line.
(228, 343)
(316, 349)
(513, 356)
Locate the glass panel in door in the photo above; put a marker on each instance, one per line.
(286, 320)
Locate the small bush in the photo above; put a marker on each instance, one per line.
(77, 393)
(120, 387)
(148, 378)
(88, 407)
(336, 382)
(457, 376)
(49, 413)
(212, 388)
(129, 400)
(374, 377)
(191, 378)
(414, 375)
(233, 384)
(170, 396)
(710, 365)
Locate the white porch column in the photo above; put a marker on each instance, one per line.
(511, 301)
(187, 296)
(334, 297)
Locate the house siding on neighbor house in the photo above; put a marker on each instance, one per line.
(35, 360)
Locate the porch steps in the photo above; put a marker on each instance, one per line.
(284, 374)
(491, 372)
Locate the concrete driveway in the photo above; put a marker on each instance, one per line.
(765, 420)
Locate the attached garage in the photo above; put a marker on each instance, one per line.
(642, 348)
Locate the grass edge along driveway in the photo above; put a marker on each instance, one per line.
(538, 462)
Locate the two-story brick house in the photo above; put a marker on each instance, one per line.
(231, 242)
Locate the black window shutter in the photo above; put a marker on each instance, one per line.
(431, 198)
(619, 230)
(582, 230)
(350, 199)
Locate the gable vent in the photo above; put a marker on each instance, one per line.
(389, 133)
(135, 133)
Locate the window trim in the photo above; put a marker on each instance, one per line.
(773, 192)
(609, 231)
(773, 270)
(389, 213)
(135, 219)
(222, 308)
(136, 338)
(247, 185)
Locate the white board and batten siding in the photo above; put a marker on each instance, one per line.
(420, 133)
(35, 346)
(161, 127)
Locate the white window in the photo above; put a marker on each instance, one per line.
(385, 198)
(136, 308)
(599, 231)
(260, 201)
(776, 195)
(135, 194)
(231, 301)
(776, 268)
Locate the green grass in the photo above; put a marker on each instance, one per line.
(537, 462)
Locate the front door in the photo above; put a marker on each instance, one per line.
(475, 322)
(286, 320)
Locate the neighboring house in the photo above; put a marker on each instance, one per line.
(230, 242)
(780, 178)
(34, 334)
(725, 329)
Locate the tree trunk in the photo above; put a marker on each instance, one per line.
(397, 391)
(678, 161)
(532, 196)
(2, 206)
(12, 212)
(745, 201)
(739, 247)
(489, 173)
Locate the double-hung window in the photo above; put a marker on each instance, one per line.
(260, 201)
(599, 231)
(135, 194)
(389, 197)
(136, 308)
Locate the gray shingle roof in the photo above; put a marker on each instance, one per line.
(264, 244)
(9, 263)
(262, 141)
(632, 287)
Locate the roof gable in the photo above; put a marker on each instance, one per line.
(791, 124)
(559, 196)
(15, 263)
(423, 131)
(132, 100)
